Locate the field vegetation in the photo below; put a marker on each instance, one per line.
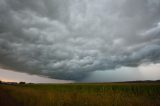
(100, 94)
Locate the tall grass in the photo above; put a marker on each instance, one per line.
(85, 94)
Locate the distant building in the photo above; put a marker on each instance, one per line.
(12, 83)
(8, 83)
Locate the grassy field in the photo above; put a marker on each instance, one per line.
(102, 94)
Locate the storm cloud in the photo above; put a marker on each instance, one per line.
(69, 39)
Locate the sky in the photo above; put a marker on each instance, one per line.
(13, 76)
(80, 40)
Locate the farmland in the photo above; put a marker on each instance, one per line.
(88, 94)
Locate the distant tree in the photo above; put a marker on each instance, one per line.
(0, 81)
(31, 83)
(22, 82)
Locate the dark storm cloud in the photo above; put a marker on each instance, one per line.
(68, 39)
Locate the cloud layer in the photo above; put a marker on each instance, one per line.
(69, 39)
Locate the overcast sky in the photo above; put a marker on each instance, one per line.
(80, 40)
(13, 76)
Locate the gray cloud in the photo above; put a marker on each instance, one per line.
(68, 39)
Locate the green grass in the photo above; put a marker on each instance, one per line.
(111, 94)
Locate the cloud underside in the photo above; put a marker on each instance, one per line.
(69, 39)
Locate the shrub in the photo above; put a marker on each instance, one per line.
(22, 83)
